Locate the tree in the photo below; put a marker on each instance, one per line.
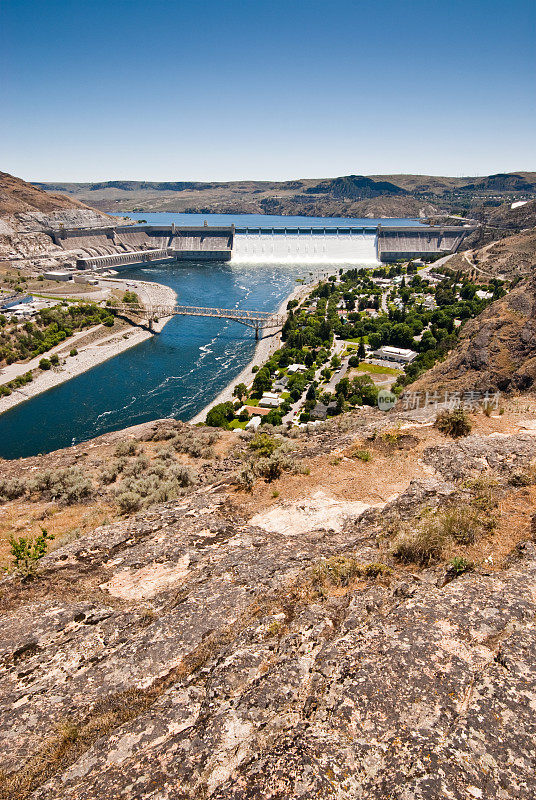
(262, 381)
(221, 415)
(240, 390)
(361, 352)
(27, 553)
(375, 340)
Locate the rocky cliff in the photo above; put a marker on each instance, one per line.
(227, 645)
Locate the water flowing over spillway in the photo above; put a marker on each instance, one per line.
(305, 247)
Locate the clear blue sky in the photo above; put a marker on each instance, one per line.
(267, 89)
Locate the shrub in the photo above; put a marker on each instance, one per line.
(45, 364)
(137, 466)
(68, 485)
(459, 565)
(454, 423)
(340, 570)
(73, 351)
(246, 478)
(423, 547)
(362, 455)
(27, 553)
(129, 502)
(11, 489)
(518, 478)
(126, 447)
(263, 444)
(54, 359)
(460, 522)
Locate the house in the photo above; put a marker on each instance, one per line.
(254, 423)
(320, 411)
(269, 400)
(255, 411)
(293, 368)
(401, 355)
(281, 384)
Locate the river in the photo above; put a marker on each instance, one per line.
(176, 372)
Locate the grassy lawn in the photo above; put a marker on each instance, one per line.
(375, 369)
(237, 424)
(358, 339)
(285, 395)
(252, 402)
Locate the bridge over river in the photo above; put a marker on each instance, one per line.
(258, 320)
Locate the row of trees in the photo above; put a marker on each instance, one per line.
(50, 327)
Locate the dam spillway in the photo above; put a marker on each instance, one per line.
(123, 245)
(305, 245)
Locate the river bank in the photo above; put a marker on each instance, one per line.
(269, 343)
(99, 349)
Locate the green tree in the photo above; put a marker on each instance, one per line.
(240, 390)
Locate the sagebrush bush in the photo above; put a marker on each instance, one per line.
(129, 502)
(126, 447)
(11, 489)
(455, 423)
(157, 484)
(69, 485)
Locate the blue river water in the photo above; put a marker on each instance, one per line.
(173, 374)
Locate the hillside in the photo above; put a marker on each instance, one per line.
(350, 195)
(18, 196)
(497, 350)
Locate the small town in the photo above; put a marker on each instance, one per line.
(355, 334)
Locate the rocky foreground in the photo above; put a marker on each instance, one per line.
(248, 645)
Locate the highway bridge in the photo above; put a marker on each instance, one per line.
(258, 320)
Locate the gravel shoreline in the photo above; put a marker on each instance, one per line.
(269, 343)
(108, 346)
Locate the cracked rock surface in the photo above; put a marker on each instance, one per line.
(183, 654)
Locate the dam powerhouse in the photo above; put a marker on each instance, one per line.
(102, 248)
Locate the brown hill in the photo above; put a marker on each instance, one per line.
(348, 195)
(510, 257)
(18, 196)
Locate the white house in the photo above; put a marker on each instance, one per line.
(401, 355)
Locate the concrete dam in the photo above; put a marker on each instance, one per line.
(99, 249)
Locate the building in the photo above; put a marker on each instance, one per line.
(293, 368)
(57, 275)
(269, 400)
(400, 355)
(319, 412)
(254, 423)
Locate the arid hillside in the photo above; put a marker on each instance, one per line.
(349, 195)
(18, 196)
(497, 350)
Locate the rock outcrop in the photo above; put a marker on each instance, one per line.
(188, 653)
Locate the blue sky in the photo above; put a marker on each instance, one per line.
(212, 90)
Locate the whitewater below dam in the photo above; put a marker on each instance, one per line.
(313, 247)
(177, 372)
